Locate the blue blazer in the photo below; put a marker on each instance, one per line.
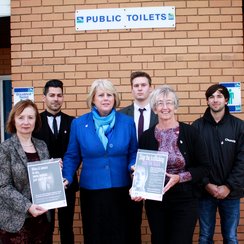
(101, 168)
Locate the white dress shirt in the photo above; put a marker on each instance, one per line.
(50, 122)
(146, 114)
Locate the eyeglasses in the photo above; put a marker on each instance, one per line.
(167, 103)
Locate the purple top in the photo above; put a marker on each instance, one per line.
(168, 143)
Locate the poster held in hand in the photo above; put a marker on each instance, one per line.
(46, 183)
(149, 176)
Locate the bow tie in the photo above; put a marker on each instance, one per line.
(53, 115)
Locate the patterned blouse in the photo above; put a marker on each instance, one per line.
(168, 143)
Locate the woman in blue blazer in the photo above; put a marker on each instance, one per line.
(106, 144)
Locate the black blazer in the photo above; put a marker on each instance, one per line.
(56, 147)
(129, 110)
(46, 134)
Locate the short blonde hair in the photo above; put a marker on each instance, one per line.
(163, 90)
(105, 85)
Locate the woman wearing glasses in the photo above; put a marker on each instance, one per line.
(173, 219)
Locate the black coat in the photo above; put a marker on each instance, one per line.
(225, 141)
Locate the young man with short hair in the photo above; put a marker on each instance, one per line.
(55, 132)
(141, 87)
(224, 135)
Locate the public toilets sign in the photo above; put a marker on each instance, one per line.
(125, 18)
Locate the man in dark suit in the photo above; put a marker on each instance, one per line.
(55, 132)
(141, 86)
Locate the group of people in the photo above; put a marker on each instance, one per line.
(205, 168)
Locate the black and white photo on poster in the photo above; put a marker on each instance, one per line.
(149, 176)
(46, 183)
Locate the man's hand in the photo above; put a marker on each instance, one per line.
(223, 192)
(212, 189)
(219, 192)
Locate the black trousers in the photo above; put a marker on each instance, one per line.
(65, 218)
(135, 220)
(173, 220)
(105, 215)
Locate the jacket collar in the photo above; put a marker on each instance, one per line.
(17, 145)
(19, 148)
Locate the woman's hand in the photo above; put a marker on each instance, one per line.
(132, 169)
(66, 183)
(61, 163)
(136, 199)
(173, 180)
(36, 210)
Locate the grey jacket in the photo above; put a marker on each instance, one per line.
(15, 195)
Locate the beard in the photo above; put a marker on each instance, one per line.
(218, 109)
(55, 107)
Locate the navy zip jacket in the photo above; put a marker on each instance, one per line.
(193, 149)
(225, 141)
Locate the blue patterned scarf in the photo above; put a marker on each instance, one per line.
(103, 125)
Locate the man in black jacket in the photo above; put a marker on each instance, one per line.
(141, 87)
(224, 135)
(55, 132)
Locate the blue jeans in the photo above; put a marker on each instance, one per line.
(229, 211)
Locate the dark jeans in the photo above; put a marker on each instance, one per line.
(173, 220)
(229, 211)
(65, 219)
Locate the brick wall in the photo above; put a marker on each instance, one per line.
(205, 47)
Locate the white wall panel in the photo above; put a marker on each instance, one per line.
(4, 8)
